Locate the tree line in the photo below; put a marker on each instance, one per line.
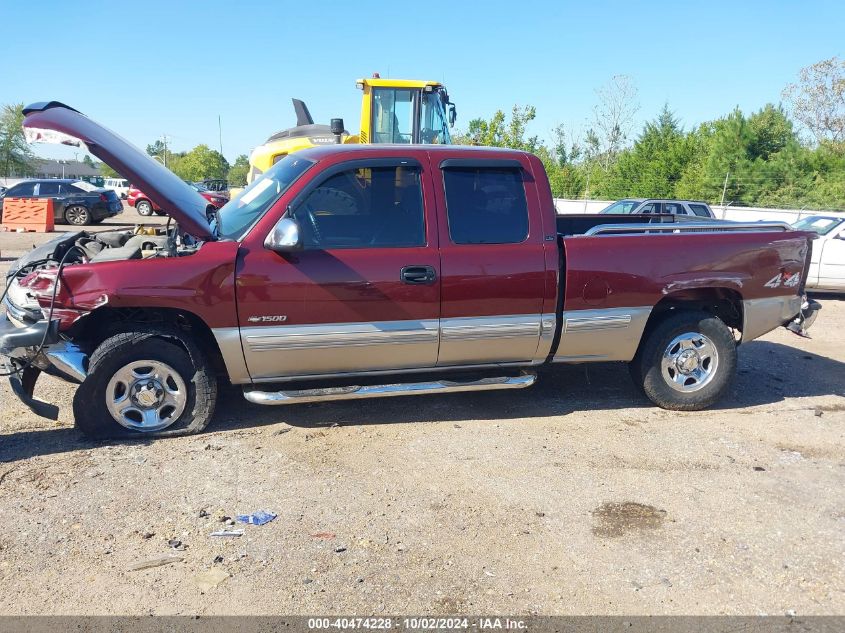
(783, 155)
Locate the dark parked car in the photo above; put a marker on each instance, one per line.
(217, 185)
(74, 201)
(653, 206)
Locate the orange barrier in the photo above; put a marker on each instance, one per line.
(29, 214)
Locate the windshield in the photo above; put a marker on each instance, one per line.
(434, 126)
(236, 217)
(621, 207)
(821, 225)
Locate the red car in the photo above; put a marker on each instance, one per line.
(357, 271)
(145, 206)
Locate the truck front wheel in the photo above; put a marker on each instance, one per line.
(152, 382)
(686, 362)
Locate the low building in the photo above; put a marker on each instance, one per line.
(65, 169)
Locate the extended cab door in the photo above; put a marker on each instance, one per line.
(364, 293)
(493, 262)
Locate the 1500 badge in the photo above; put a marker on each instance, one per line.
(270, 318)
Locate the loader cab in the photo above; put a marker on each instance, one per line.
(405, 111)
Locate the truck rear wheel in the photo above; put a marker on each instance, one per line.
(686, 362)
(152, 382)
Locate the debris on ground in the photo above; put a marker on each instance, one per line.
(340, 548)
(228, 533)
(175, 544)
(325, 536)
(155, 562)
(210, 579)
(257, 518)
(759, 469)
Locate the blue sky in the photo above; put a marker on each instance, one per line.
(149, 68)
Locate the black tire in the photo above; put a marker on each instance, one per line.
(144, 207)
(690, 392)
(160, 213)
(77, 215)
(156, 344)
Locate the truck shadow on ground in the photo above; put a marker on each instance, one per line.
(768, 373)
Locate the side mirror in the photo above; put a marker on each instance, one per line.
(285, 237)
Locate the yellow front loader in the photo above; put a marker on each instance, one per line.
(392, 111)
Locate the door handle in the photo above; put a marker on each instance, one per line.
(418, 275)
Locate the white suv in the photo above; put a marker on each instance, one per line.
(651, 205)
(119, 185)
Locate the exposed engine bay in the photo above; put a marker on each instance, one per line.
(88, 247)
(142, 242)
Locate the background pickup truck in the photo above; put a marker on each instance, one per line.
(357, 271)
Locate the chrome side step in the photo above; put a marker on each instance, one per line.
(382, 391)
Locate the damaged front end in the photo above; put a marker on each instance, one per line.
(27, 351)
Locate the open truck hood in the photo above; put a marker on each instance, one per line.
(54, 122)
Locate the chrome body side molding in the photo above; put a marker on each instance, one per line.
(601, 335)
(295, 350)
(381, 391)
(490, 339)
(764, 315)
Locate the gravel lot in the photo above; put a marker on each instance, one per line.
(573, 497)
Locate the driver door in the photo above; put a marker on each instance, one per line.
(363, 294)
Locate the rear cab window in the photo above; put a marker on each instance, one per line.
(700, 210)
(485, 205)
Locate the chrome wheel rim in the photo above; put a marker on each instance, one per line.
(77, 215)
(144, 209)
(689, 362)
(146, 396)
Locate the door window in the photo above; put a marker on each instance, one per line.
(675, 208)
(48, 189)
(486, 205)
(651, 207)
(393, 115)
(700, 210)
(372, 207)
(21, 190)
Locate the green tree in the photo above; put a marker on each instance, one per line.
(87, 161)
(501, 132)
(16, 157)
(106, 171)
(654, 165)
(238, 171)
(201, 162)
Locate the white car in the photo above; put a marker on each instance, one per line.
(827, 266)
(119, 185)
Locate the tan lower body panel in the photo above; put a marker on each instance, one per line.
(601, 335)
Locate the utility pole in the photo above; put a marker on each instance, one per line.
(724, 188)
(164, 140)
(220, 132)
(587, 190)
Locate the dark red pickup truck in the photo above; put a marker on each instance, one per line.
(349, 272)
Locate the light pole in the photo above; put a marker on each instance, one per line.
(63, 163)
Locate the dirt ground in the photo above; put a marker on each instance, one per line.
(573, 497)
